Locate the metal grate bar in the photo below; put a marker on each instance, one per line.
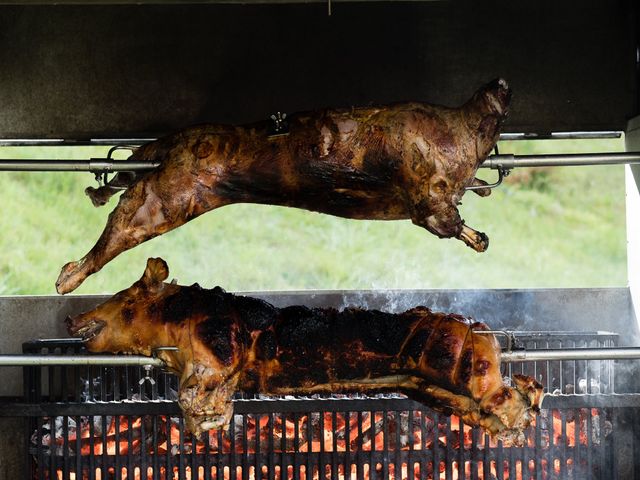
(118, 469)
(92, 456)
(103, 471)
(129, 445)
(207, 457)
(154, 439)
(181, 460)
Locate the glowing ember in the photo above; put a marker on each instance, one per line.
(362, 435)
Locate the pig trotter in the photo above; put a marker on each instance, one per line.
(476, 240)
(71, 276)
(101, 195)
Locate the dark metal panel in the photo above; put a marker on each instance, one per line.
(82, 72)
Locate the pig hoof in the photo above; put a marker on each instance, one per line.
(96, 195)
(482, 242)
(68, 280)
(476, 240)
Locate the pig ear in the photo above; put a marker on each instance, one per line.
(156, 272)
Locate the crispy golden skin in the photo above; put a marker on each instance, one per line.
(410, 160)
(230, 343)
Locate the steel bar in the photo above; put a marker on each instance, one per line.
(20, 360)
(619, 353)
(508, 161)
(94, 165)
(137, 141)
(504, 161)
(17, 360)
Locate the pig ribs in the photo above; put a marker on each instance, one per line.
(228, 343)
(409, 160)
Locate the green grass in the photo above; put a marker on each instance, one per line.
(561, 227)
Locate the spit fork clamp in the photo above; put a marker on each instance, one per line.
(102, 173)
(158, 350)
(279, 125)
(147, 376)
(148, 368)
(502, 173)
(512, 342)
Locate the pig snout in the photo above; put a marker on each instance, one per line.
(85, 327)
(72, 324)
(502, 94)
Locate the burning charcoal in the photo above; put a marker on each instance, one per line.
(98, 423)
(370, 433)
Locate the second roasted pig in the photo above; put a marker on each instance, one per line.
(403, 161)
(229, 343)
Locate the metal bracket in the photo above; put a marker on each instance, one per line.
(512, 341)
(155, 351)
(147, 377)
(102, 174)
(502, 173)
(279, 125)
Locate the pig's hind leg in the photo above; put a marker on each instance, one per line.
(144, 211)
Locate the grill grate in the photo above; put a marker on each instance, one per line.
(122, 423)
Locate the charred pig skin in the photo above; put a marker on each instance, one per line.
(404, 161)
(228, 343)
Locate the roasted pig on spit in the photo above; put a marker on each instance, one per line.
(228, 343)
(410, 160)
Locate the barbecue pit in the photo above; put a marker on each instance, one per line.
(96, 424)
(575, 67)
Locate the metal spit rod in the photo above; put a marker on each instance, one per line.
(502, 161)
(111, 360)
(93, 165)
(508, 161)
(616, 353)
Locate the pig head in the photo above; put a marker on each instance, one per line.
(138, 321)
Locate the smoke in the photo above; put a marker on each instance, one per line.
(500, 309)
(552, 310)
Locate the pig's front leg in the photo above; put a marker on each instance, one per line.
(101, 195)
(205, 402)
(443, 220)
